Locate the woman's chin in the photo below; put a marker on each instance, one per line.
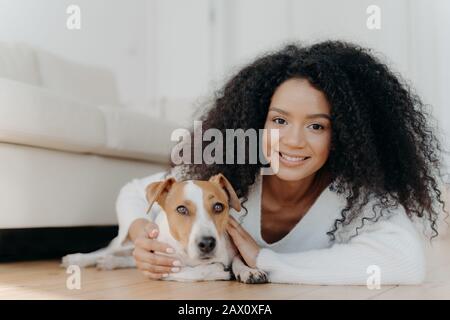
(292, 174)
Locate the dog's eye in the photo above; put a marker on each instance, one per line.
(182, 210)
(218, 207)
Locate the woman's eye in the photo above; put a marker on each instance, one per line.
(316, 126)
(218, 207)
(182, 210)
(279, 121)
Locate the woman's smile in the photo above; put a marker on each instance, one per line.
(292, 161)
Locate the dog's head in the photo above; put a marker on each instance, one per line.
(197, 211)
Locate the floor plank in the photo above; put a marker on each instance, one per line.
(47, 280)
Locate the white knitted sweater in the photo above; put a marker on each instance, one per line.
(393, 245)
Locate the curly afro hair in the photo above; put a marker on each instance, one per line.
(382, 145)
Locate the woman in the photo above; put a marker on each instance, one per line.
(358, 168)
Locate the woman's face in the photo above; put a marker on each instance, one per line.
(302, 115)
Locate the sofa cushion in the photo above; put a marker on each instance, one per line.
(136, 135)
(82, 82)
(36, 116)
(18, 62)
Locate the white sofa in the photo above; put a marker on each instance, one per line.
(67, 146)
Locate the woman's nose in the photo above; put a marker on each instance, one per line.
(294, 137)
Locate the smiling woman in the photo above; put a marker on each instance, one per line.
(359, 170)
(349, 128)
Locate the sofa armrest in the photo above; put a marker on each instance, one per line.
(35, 116)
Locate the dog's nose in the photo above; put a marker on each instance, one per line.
(207, 244)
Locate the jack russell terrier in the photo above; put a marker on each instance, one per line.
(193, 219)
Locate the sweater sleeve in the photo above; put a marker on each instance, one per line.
(392, 246)
(132, 204)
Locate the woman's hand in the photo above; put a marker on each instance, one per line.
(246, 245)
(155, 266)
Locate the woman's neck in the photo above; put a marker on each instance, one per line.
(290, 193)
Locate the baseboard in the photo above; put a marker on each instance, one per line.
(51, 243)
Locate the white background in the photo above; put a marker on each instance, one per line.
(169, 55)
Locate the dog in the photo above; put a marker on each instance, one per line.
(193, 219)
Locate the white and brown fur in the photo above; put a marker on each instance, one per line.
(186, 233)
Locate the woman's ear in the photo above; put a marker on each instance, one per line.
(157, 191)
(226, 185)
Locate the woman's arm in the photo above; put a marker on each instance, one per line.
(136, 229)
(132, 205)
(391, 246)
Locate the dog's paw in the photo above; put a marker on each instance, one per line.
(75, 259)
(223, 275)
(252, 276)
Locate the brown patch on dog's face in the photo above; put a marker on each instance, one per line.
(158, 191)
(218, 196)
(171, 200)
(223, 183)
(181, 212)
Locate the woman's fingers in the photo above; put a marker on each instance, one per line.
(153, 245)
(143, 266)
(152, 230)
(143, 255)
(232, 220)
(154, 265)
(234, 225)
(246, 245)
(154, 276)
(235, 235)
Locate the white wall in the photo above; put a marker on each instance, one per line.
(113, 35)
(255, 26)
(430, 67)
(179, 56)
(443, 71)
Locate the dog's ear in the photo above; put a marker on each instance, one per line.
(157, 191)
(226, 185)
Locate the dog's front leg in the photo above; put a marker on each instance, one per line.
(213, 271)
(111, 262)
(245, 274)
(84, 259)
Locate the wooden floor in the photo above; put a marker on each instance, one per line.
(46, 280)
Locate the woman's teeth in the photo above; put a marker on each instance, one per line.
(293, 159)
